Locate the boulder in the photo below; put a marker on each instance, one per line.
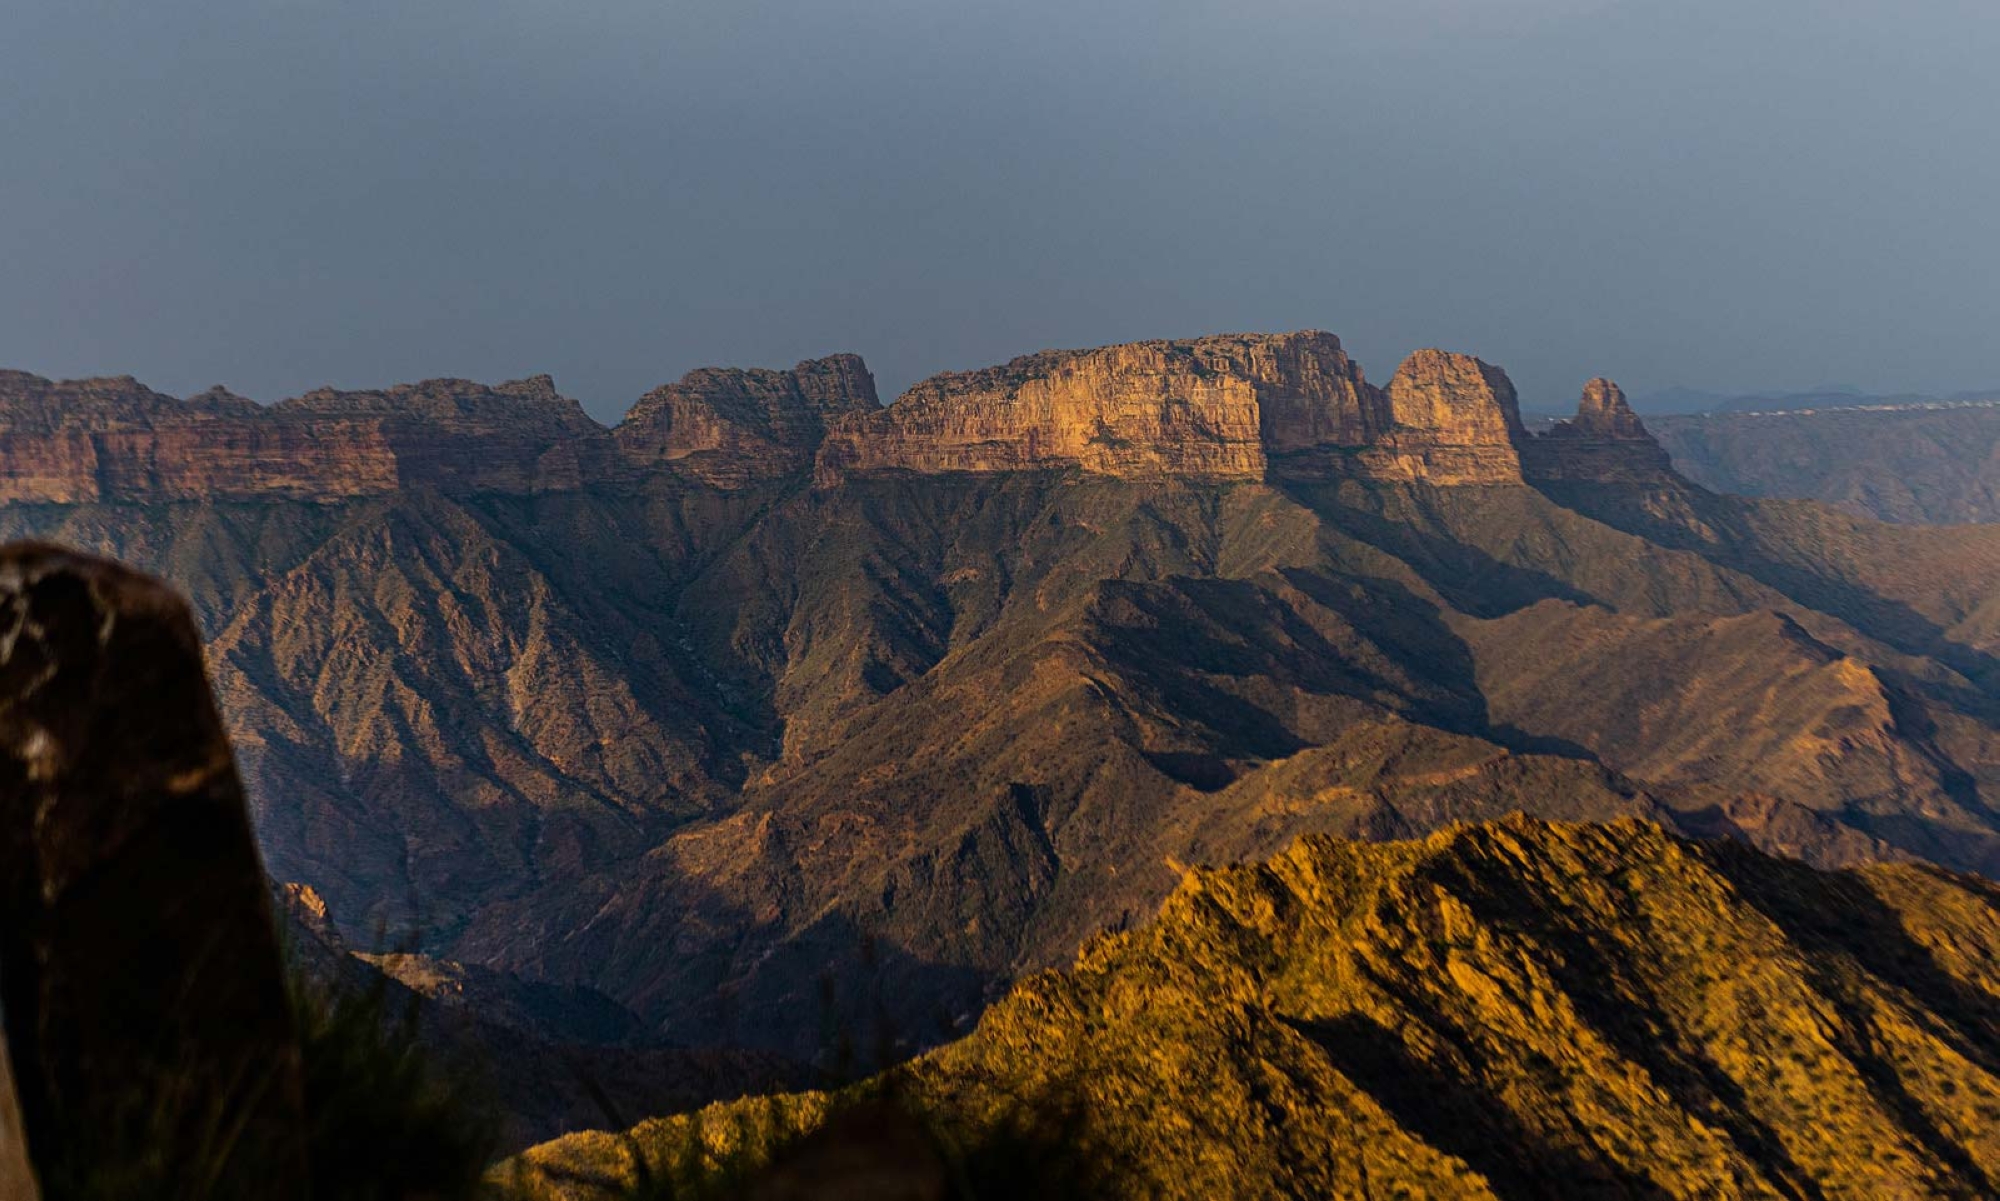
(144, 995)
(17, 1175)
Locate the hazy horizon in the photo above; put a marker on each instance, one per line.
(279, 196)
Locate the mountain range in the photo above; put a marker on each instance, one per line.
(779, 716)
(1912, 460)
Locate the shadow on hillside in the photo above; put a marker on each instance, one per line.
(1470, 580)
(1393, 616)
(836, 994)
(1462, 1119)
(1871, 936)
(1891, 621)
(1626, 1014)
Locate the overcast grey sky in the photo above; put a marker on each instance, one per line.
(277, 194)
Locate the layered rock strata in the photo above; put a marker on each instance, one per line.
(1242, 406)
(144, 1000)
(116, 440)
(1453, 419)
(731, 428)
(1203, 409)
(1229, 407)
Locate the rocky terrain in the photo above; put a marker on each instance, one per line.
(1913, 461)
(1508, 1009)
(781, 720)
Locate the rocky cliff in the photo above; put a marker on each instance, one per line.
(1147, 409)
(1236, 406)
(1453, 419)
(1225, 407)
(1240, 406)
(732, 427)
(116, 440)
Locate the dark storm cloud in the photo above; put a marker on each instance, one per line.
(277, 194)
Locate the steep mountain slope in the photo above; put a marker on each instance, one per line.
(548, 1059)
(1055, 688)
(1914, 462)
(769, 713)
(1513, 1009)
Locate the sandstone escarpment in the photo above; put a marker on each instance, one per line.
(520, 437)
(732, 427)
(1604, 443)
(116, 440)
(1453, 419)
(1235, 406)
(1227, 407)
(56, 438)
(1145, 409)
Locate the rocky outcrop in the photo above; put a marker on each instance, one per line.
(1142, 410)
(731, 427)
(1243, 406)
(144, 1002)
(1453, 419)
(1605, 443)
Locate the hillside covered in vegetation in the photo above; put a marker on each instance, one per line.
(1516, 1008)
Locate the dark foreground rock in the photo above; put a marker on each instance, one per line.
(144, 999)
(17, 1175)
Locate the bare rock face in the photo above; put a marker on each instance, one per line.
(1246, 406)
(52, 434)
(1453, 420)
(517, 438)
(1211, 408)
(731, 427)
(116, 440)
(143, 995)
(1604, 443)
(1232, 406)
